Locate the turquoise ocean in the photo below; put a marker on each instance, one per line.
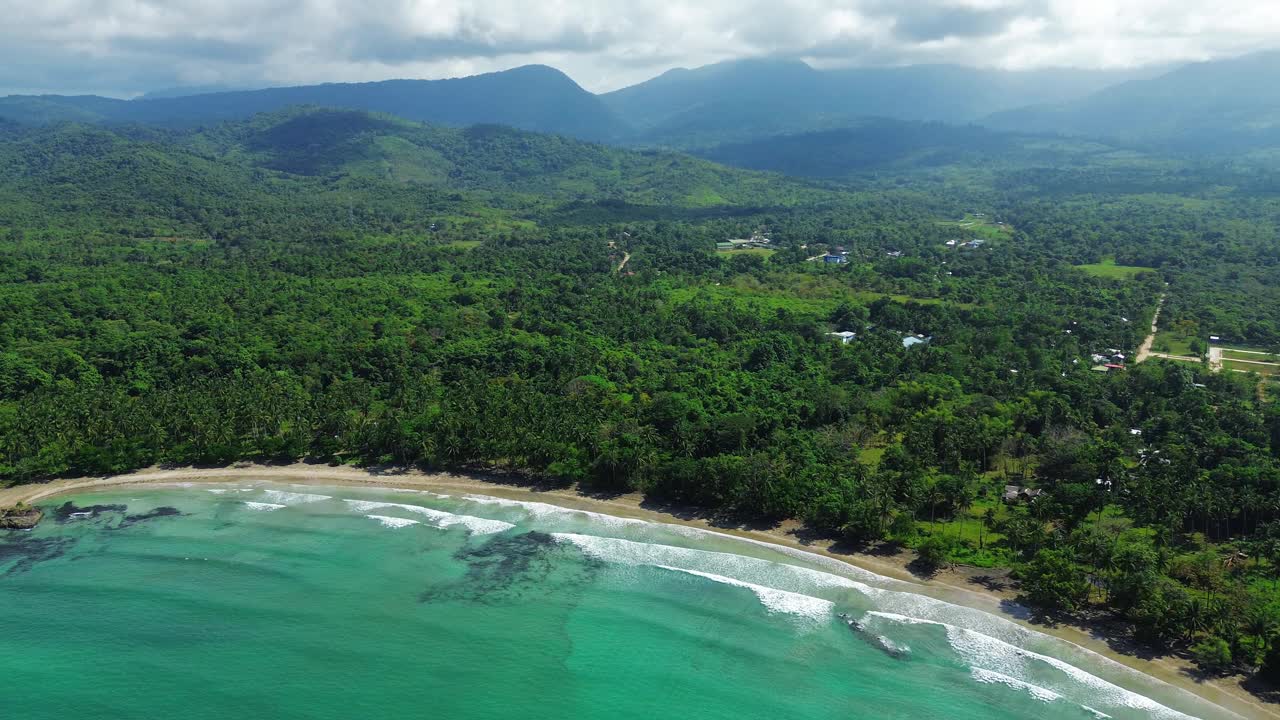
(276, 601)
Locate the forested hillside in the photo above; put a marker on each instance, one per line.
(532, 98)
(359, 288)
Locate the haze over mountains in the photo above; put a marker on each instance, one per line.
(1224, 105)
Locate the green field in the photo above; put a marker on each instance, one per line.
(1230, 354)
(1251, 367)
(1172, 343)
(762, 252)
(980, 227)
(1109, 269)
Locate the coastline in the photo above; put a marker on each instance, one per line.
(951, 586)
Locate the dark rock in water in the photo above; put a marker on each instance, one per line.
(879, 642)
(19, 518)
(509, 566)
(149, 515)
(70, 511)
(27, 550)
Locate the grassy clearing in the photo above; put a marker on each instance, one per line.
(870, 455)
(1269, 370)
(979, 227)
(1110, 270)
(1172, 343)
(762, 252)
(1230, 354)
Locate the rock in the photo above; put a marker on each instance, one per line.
(19, 518)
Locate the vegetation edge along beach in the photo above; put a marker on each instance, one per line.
(944, 586)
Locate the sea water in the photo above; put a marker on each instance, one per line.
(277, 601)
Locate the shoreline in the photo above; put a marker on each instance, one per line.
(1227, 694)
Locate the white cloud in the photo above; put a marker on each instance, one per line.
(126, 46)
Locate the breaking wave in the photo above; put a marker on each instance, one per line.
(263, 507)
(774, 600)
(291, 498)
(436, 518)
(393, 522)
(994, 657)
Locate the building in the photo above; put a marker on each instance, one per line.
(913, 340)
(846, 336)
(835, 258)
(1017, 493)
(894, 253)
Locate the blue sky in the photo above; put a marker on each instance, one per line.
(124, 47)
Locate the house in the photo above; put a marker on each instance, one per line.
(1099, 359)
(846, 336)
(952, 243)
(835, 258)
(913, 340)
(894, 253)
(1119, 358)
(1114, 367)
(1214, 339)
(1017, 493)
(724, 245)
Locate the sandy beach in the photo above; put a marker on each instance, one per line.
(956, 586)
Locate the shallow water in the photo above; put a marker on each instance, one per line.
(278, 601)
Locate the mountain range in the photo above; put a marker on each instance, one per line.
(1224, 105)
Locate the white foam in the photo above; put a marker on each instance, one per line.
(264, 507)
(545, 510)
(393, 522)
(774, 600)
(893, 647)
(219, 491)
(988, 641)
(290, 498)
(993, 677)
(995, 655)
(436, 518)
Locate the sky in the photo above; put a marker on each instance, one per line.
(126, 47)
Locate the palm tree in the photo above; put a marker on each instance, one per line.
(988, 521)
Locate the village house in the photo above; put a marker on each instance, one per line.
(846, 336)
(1017, 493)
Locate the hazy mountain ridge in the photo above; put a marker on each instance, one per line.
(1219, 106)
(1222, 105)
(536, 98)
(748, 98)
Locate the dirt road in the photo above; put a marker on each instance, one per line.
(1144, 351)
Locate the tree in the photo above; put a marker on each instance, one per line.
(1212, 654)
(1051, 581)
(935, 552)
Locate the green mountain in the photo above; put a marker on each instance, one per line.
(534, 97)
(1222, 105)
(876, 147)
(302, 167)
(742, 100)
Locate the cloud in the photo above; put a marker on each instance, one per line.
(129, 46)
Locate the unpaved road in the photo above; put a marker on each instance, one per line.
(1144, 351)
